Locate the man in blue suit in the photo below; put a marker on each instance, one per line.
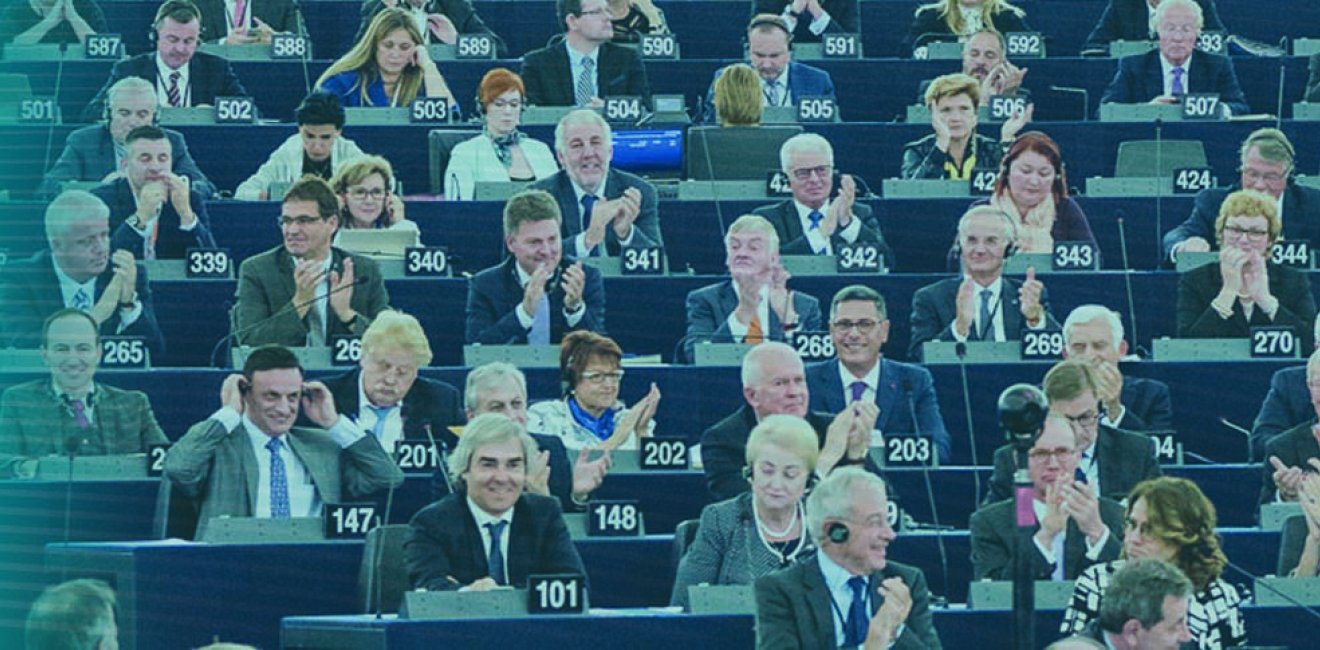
(1163, 75)
(783, 81)
(905, 393)
(1094, 334)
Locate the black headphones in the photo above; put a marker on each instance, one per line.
(767, 20)
(837, 532)
(1010, 249)
(1275, 137)
(167, 8)
(812, 478)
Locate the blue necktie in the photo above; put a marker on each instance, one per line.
(279, 482)
(82, 301)
(588, 203)
(381, 414)
(1176, 88)
(495, 560)
(540, 333)
(859, 619)
(858, 389)
(815, 217)
(987, 321)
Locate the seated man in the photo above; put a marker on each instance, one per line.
(318, 148)
(182, 76)
(1093, 334)
(489, 533)
(78, 272)
(1074, 528)
(242, 22)
(755, 304)
(536, 295)
(1286, 405)
(1145, 607)
(305, 291)
(1292, 455)
(808, 20)
(783, 80)
(93, 153)
(1267, 164)
(585, 67)
(774, 383)
(439, 21)
(1164, 75)
(155, 214)
(603, 210)
(1313, 82)
(1111, 460)
(811, 223)
(1133, 20)
(297, 469)
(75, 614)
(903, 392)
(889, 602)
(41, 417)
(983, 58)
(982, 305)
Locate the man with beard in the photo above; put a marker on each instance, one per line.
(983, 57)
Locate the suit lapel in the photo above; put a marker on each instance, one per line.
(834, 397)
(239, 438)
(1009, 305)
(819, 601)
(885, 394)
(519, 558)
(284, 278)
(569, 205)
(789, 216)
(1154, 70)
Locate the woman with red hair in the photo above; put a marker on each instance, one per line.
(1033, 189)
(501, 152)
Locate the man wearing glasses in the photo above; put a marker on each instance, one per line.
(317, 148)
(904, 393)
(305, 291)
(585, 67)
(1110, 460)
(1267, 166)
(811, 223)
(1074, 528)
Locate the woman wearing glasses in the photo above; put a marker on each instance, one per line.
(590, 415)
(367, 200)
(501, 153)
(1246, 288)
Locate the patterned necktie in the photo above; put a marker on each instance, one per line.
(237, 20)
(755, 334)
(854, 633)
(858, 389)
(815, 218)
(495, 560)
(80, 413)
(382, 414)
(585, 89)
(82, 301)
(987, 321)
(172, 93)
(774, 93)
(315, 328)
(1176, 88)
(540, 333)
(588, 204)
(279, 481)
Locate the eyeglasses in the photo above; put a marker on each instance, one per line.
(515, 104)
(1041, 455)
(373, 194)
(286, 222)
(806, 173)
(599, 378)
(593, 13)
(1251, 234)
(1087, 419)
(1268, 177)
(862, 326)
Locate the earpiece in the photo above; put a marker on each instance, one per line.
(244, 387)
(747, 473)
(837, 532)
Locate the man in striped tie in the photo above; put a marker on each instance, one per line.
(585, 67)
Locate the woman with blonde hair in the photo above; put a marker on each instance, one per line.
(738, 96)
(389, 66)
(955, 150)
(367, 199)
(958, 19)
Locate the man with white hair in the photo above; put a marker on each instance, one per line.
(1294, 454)
(75, 614)
(1094, 334)
(850, 593)
(811, 223)
(1132, 20)
(1286, 405)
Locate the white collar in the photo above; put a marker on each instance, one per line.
(575, 57)
(872, 378)
(482, 517)
(782, 79)
(1167, 67)
(836, 577)
(600, 191)
(258, 438)
(65, 281)
(803, 210)
(164, 71)
(995, 287)
(365, 402)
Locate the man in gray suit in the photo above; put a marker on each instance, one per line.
(248, 460)
(850, 593)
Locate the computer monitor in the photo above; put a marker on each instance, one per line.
(656, 153)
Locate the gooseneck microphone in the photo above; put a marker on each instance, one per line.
(930, 492)
(292, 306)
(960, 349)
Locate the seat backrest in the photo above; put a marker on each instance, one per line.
(13, 88)
(176, 514)
(1157, 158)
(1291, 540)
(736, 153)
(382, 571)
(440, 142)
(684, 533)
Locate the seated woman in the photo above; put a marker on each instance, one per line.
(948, 20)
(367, 199)
(738, 96)
(28, 22)
(763, 529)
(1170, 519)
(387, 67)
(591, 415)
(633, 19)
(501, 152)
(956, 150)
(319, 147)
(1245, 289)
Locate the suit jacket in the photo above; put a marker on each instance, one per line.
(1198, 320)
(928, 26)
(1313, 82)
(443, 543)
(218, 468)
(934, 308)
(1125, 459)
(803, 81)
(1286, 405)
(906, 398)
(548, 75)
(1129, 20)
(708, 310)
(209, 77)
(922, 159)
(459, 12)
(89, 155)
(646, 228)
(994, 539)
(843, 18)
(1292, 447)
(30, 291)
(793, 608)
(784, 217)
(1140, 78)
(35, 421)
(495, 293)
(1147, 405)
(280, 15)
(172, 242)
(1301, 216)
(266, 288)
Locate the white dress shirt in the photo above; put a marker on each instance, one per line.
(996, 310)
(575, 67)
(815, 237)
(1053, 554)
(163, 73)
(872, 380)
(580, 249)
(482, 518)
(785, 98)
(231, 16)
(841, 595)
(69, 288)
(366, 419)
(739, 329)
(817, 25)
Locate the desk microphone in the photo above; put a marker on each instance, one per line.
(1246, 433)
(930, 493)
(1159, 173)
(960, 349)
(307, 45)
(1283, 60)
(441, 451)
(1127, 282)
(71, 445)
(280, 312)
(55, 101)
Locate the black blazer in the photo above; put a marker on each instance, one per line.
(429, 403)
(1140, 78)
(1129, 20)
(89, 155)
(1125, 459)
(1147, 405)
(906, 398)
(784, 217)
(646, 228)
(280, 15)
(443, 542)
(922, 159)
(1313, 82)
(172, 243)
(935, 306)
(494, 293)
(1292, 447)
(1198, 320)
(1301, 216)
(459, 12)
(1286, 405)
(994, 539)
(928, 25)
(549, 78)
(843, 17)
(209, 76)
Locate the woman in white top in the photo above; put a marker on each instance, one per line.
(501, 152)
(366, 197)
(318, 147)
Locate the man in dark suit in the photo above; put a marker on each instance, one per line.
(904, 393)
(1074, 528)
(78, 272)
(536, 295)
(783, 80)
(306, 291)
(1267, 164)
(755, 304)
(982, 305)
(1130, 20)
(1286, 405)
(602, 209)
(1313, 82)
(490, 533)
(1145, 606)
(1094, 334)
(181, 75)
(38, 417)
(1112, 460)
(444, 19)
(811, 223)
(93, 153)
(585, 67)
(1293, 454)
(1163, 75)
(808, 20)
(257, 22)
(850, 593)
